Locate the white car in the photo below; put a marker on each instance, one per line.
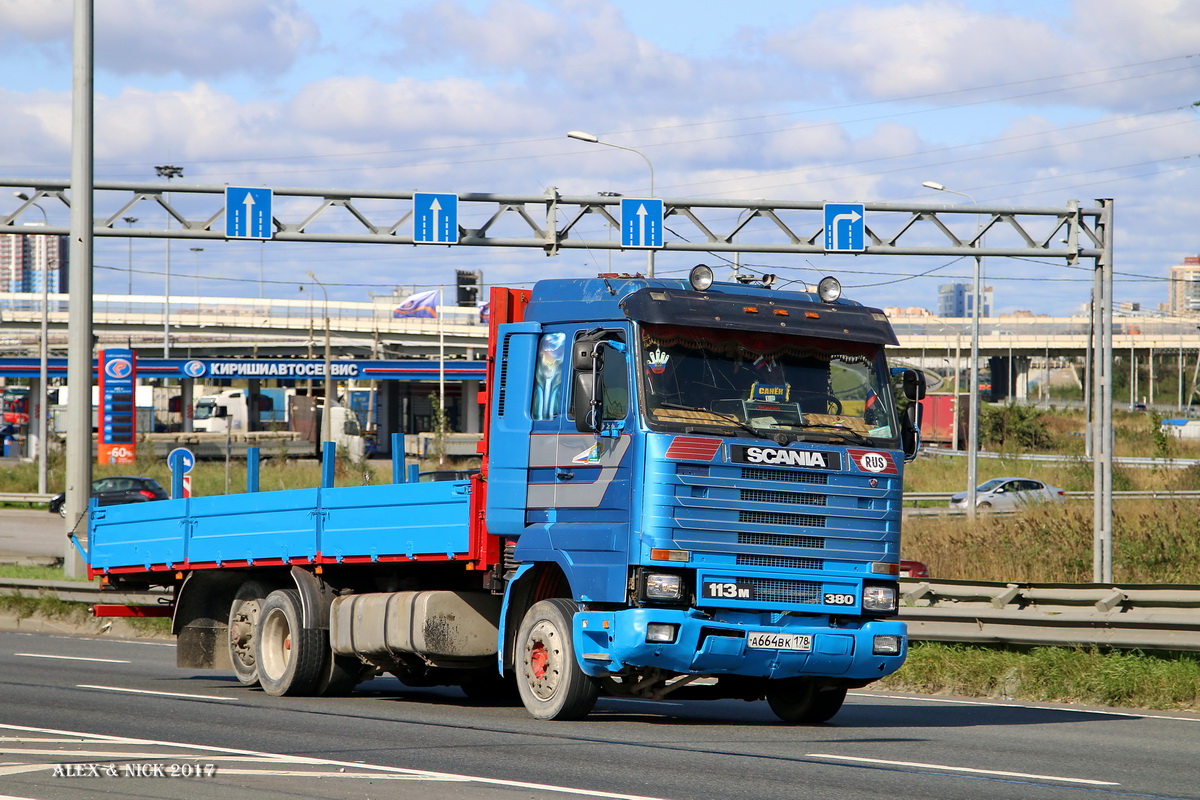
(1009, 494)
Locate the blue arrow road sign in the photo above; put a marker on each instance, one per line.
(181, 460)
(435, 218)
(845, 228)
(248, 213)
(641, 222)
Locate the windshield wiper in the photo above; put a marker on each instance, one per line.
(729, 417)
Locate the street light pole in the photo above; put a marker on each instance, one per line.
(168, 172)
(326, 418)
(129, 221)
(43, 356)
(197, 251)
(973, 421)
(591, 138)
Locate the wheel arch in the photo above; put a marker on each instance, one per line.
(533, 583)
(200, 621)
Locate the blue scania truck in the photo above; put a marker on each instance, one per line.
(688, 489)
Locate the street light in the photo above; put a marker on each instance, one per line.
(973, 422)
(167, 171)
(591, 138)
(326, 417)
(43, 354)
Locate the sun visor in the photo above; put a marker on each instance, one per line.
(773, 313)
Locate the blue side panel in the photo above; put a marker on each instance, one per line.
(247, 527)
(402, 519)
(411, 519)
(510, 425)
(149, 533)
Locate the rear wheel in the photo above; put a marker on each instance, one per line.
(243, 624)
(290, 658)
(800, 701)
(550, 681)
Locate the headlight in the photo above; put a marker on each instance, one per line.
(661, 633)
(663, 586)
(879, 598)
(887, 645)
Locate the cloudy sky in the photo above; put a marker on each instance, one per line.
(1012, 102)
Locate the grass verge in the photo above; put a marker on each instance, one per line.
(1087, 676)
(24, 606)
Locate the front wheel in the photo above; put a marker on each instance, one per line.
(550, 681)
(801, 701)
(289, 656)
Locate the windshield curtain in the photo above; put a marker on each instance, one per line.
(770, 385)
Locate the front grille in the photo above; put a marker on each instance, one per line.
(782, 562)
(781, 540)
(790, 498)
(760, 474)
(773, 518)
(769, 590)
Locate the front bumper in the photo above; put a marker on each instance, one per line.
(609, 642)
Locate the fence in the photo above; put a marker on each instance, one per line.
(1154, 617)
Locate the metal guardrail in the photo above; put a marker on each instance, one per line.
(19, 497)
(1054, 458)
(1151, 617)
(78, 592)
(1153, 494)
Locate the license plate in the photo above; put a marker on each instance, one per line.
(764, 640)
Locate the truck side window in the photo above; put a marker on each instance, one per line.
(548, 376)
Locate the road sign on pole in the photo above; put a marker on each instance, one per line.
(845, 228)
(641, 222)
(248, 212)
(435, 218)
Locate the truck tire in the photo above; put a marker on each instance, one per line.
(801, 701)
(243, 626)
(289, 656)
(551, 684)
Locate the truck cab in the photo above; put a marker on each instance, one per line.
(713, 475)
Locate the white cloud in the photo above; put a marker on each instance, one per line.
(192, 38)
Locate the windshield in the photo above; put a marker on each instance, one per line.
(204, 409)
(781, 387)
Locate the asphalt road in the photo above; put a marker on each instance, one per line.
(85, 717)
(31, 533)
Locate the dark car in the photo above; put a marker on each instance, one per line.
(115, 491)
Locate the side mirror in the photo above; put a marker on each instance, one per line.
(910, 428)
(914, 384)
(587, 402)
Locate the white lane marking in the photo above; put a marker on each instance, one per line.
(156, 694)
(73, 658)
(968, 770)
(13, 797)
(377, 768)
(995, 704)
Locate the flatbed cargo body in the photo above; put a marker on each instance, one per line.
(354, 524)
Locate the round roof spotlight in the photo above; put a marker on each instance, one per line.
(829, 289)
(701, 277)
